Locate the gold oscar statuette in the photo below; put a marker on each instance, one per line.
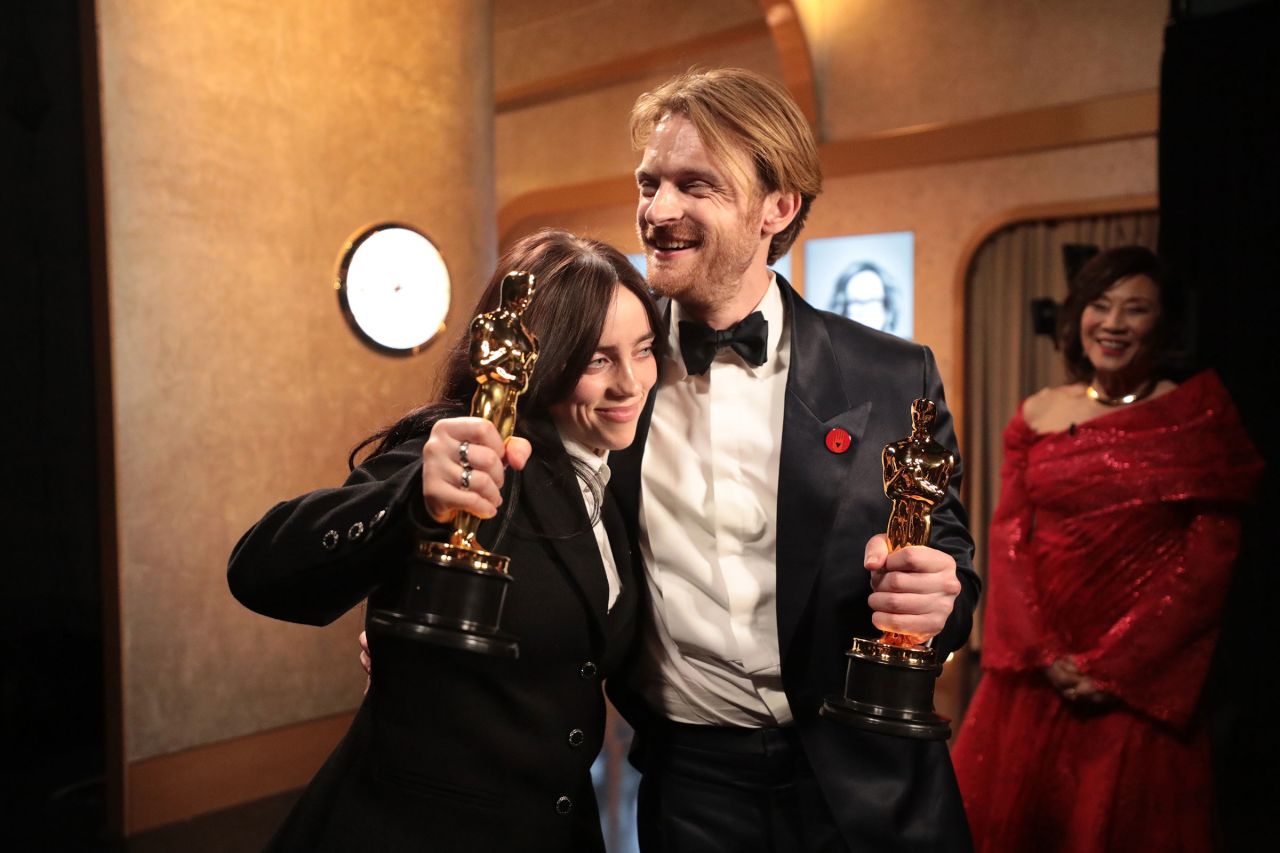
(889, 681)
(455, 590)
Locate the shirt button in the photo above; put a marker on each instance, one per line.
(564, 805)
(576, 737)
(330, 540)
(588, 671)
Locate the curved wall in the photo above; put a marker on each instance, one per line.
(243, 144)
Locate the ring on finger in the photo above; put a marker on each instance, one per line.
(462, 454)
(466, 476)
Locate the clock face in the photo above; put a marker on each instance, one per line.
(393, 287)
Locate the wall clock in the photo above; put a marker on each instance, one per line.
(393, 288)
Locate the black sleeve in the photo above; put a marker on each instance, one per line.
(315, 557)
(950, 522)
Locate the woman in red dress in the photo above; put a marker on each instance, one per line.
(1110, 553)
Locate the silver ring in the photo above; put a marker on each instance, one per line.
(462, 454)
(466, 476)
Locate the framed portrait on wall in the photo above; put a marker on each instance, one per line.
(865, 277)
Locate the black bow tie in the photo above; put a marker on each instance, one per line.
(699, 342)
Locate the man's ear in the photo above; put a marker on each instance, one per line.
(779, 210)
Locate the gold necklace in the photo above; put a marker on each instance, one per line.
(1141, 394)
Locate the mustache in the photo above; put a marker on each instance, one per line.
(652, 234)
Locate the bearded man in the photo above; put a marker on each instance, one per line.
(754, 494)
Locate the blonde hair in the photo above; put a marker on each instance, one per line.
(732, 108)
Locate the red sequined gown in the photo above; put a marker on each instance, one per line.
(1112, 544)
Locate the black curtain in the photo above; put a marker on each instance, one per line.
(51, 664)
(1219, 187)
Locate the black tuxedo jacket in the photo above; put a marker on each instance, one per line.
(886, 793)
(452, 750)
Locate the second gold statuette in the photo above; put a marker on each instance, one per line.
(889, 682)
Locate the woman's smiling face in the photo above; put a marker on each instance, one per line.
(1116, 328)
(604, 408)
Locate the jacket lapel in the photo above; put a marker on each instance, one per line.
(559, 514)
(812, 478)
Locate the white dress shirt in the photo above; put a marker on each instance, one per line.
(708, 514)
(598, 464)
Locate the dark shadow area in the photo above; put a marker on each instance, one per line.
(51, 679)
(1219, 182)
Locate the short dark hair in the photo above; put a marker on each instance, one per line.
(574, 279)
(1098, 276)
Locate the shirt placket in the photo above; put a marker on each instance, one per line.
(740, 585)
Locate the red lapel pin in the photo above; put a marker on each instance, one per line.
(839, 440)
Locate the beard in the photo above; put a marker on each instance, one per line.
(714, 274)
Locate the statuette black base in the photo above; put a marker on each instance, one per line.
(452, 597)
(889, 689)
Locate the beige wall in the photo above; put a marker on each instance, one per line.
(537, 39)
(243, 144)
(883, 64)
(584, 137)
(879, 65)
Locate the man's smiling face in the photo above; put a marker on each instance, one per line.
(699, 218)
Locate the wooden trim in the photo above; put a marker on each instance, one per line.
(626, 68)
(1025, 213)
(1106, 119)
(608, 192)
(171, 788)
(793, 55)
(1109, 119)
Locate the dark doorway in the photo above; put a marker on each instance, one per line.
(1219, 179)
(51, 713)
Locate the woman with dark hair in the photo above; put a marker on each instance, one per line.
(1110, 552)
(454, 750)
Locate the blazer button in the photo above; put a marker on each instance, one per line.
(588, 671)
(564, 805)
(330, 540)
(355, 531)
(576, 737)
(378, 517)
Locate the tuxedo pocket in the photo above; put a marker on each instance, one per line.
(414, 782)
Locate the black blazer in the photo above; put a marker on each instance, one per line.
(886, 793)
(452, 750)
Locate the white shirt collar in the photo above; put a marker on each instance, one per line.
(587, 456)
(597, 463)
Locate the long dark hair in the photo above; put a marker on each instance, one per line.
(1165, 351)
(575, 280)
